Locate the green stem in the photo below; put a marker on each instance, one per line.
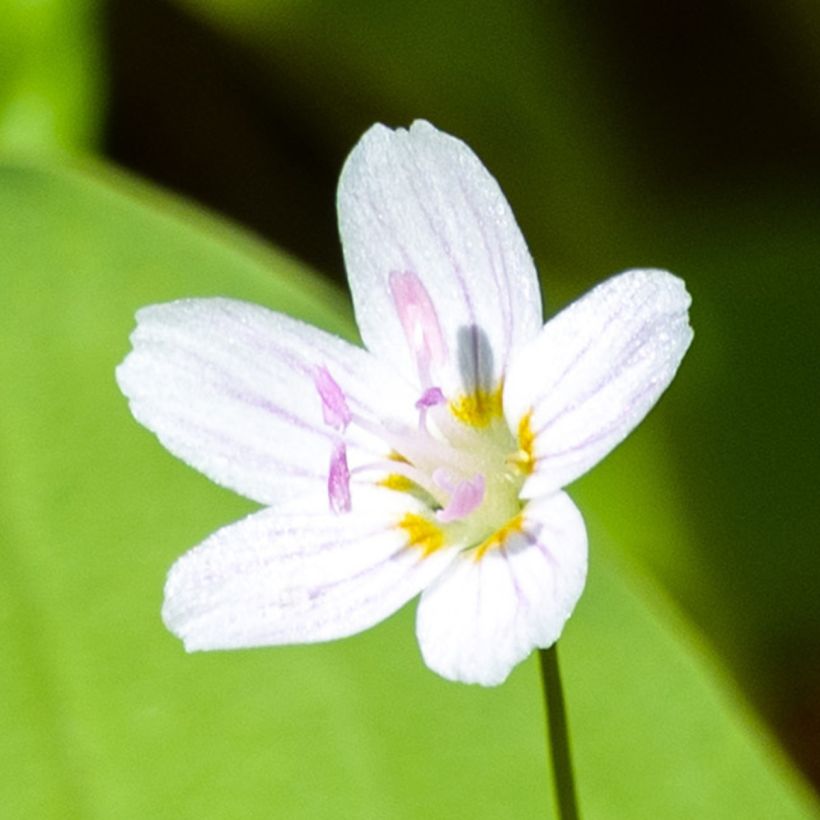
(563, 780)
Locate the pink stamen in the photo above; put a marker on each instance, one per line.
(419, 320)
(338, 481)
(429, 398)
(443, 479)
(335, 411)
(465, 498)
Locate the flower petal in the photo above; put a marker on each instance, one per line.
(595, 371)
(275, 578)
(432, 249)
(230, 388)
(489, 610)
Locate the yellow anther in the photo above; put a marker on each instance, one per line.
(394, 481)
(422, 533)
(478, 409)
(498, 538)
(525, 457)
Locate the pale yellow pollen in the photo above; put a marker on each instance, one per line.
(498, 538)
(479, 408)
(422, 534)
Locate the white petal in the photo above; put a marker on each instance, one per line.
(419, 201)
(595, 371)
(274, 578)
(229, 388)
(486, 614)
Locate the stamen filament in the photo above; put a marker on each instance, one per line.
(406, 470)
(421, 447)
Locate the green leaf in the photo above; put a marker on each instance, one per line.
(104, 715)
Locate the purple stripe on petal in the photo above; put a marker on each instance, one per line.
(433, 223)
(613, 371)
(615, 424)
(226, 383)
(503, 283)
(246, 454)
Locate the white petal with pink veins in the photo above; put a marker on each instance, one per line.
(595, 371)
(440, 274)
(235, 390)
(275, 578)
(491, 608)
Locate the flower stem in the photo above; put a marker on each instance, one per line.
(563, 780)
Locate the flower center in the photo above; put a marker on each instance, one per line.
(461, 459)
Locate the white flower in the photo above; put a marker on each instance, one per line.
(433, 460)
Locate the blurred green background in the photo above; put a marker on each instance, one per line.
(675, 135)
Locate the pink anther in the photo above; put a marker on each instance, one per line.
(420, 322)
(338, 481)
(430, 398)
(335, 411)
